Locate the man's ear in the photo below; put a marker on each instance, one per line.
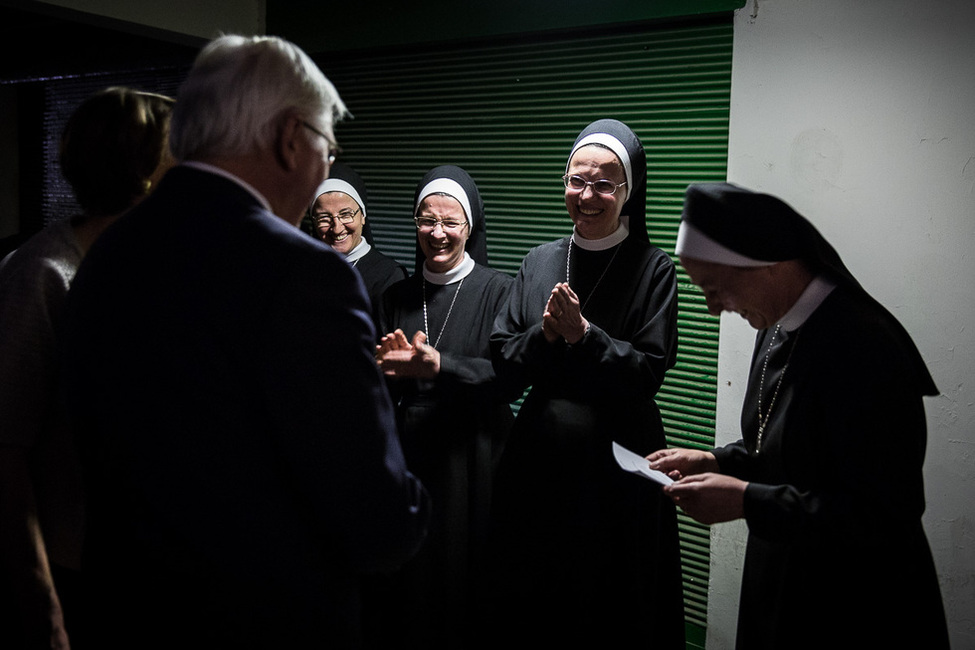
(287, 142)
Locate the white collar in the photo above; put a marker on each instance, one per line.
(810, 300)
(219, 171)
(455, 274)
(358, 252)
(606, 242)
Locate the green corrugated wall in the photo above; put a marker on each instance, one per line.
(508, 112)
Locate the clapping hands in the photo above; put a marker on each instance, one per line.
(563, 315)
(399, 357)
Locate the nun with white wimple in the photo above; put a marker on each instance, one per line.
(339, 217)
(452, 413)
(828, 473)
(586, 553)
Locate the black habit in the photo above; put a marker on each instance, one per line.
(452, 429)
(836, 553)
(836, 556)
(378, 272)
(587, 553)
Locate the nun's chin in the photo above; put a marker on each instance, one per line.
(595, 227)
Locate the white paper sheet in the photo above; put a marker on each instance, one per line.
(638, 465)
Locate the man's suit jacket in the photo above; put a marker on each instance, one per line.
(239, 443)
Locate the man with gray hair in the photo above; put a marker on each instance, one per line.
(242, 465)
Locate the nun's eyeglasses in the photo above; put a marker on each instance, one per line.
(427, 224)
(578, 184)
(345, 217)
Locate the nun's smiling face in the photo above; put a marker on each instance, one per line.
(329, 211)
(595, 215)
(442, 246)
(750, 292)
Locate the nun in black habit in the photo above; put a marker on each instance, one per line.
(339, 219)
(828, 473)
(453, 414)
(583, 552)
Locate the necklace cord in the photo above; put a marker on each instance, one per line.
(426, 324)
(763, 421)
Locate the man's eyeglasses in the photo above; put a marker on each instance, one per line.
(333, 149)
(427, 224)
(345, 217)
(578, 184)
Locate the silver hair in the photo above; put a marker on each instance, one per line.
(238, 89)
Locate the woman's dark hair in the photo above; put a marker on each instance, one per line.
(111, 146)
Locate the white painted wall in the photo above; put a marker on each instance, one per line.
(861, 115)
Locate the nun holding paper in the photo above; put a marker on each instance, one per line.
(587, 553)
(829, 472)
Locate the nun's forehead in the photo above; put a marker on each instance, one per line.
(588, 149)
(332, 185)
(337, 194)
(453, 201)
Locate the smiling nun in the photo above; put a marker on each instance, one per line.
(452, 413)
(339, 217)
(587, 553)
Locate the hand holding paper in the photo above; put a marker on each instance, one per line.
(638, 465)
